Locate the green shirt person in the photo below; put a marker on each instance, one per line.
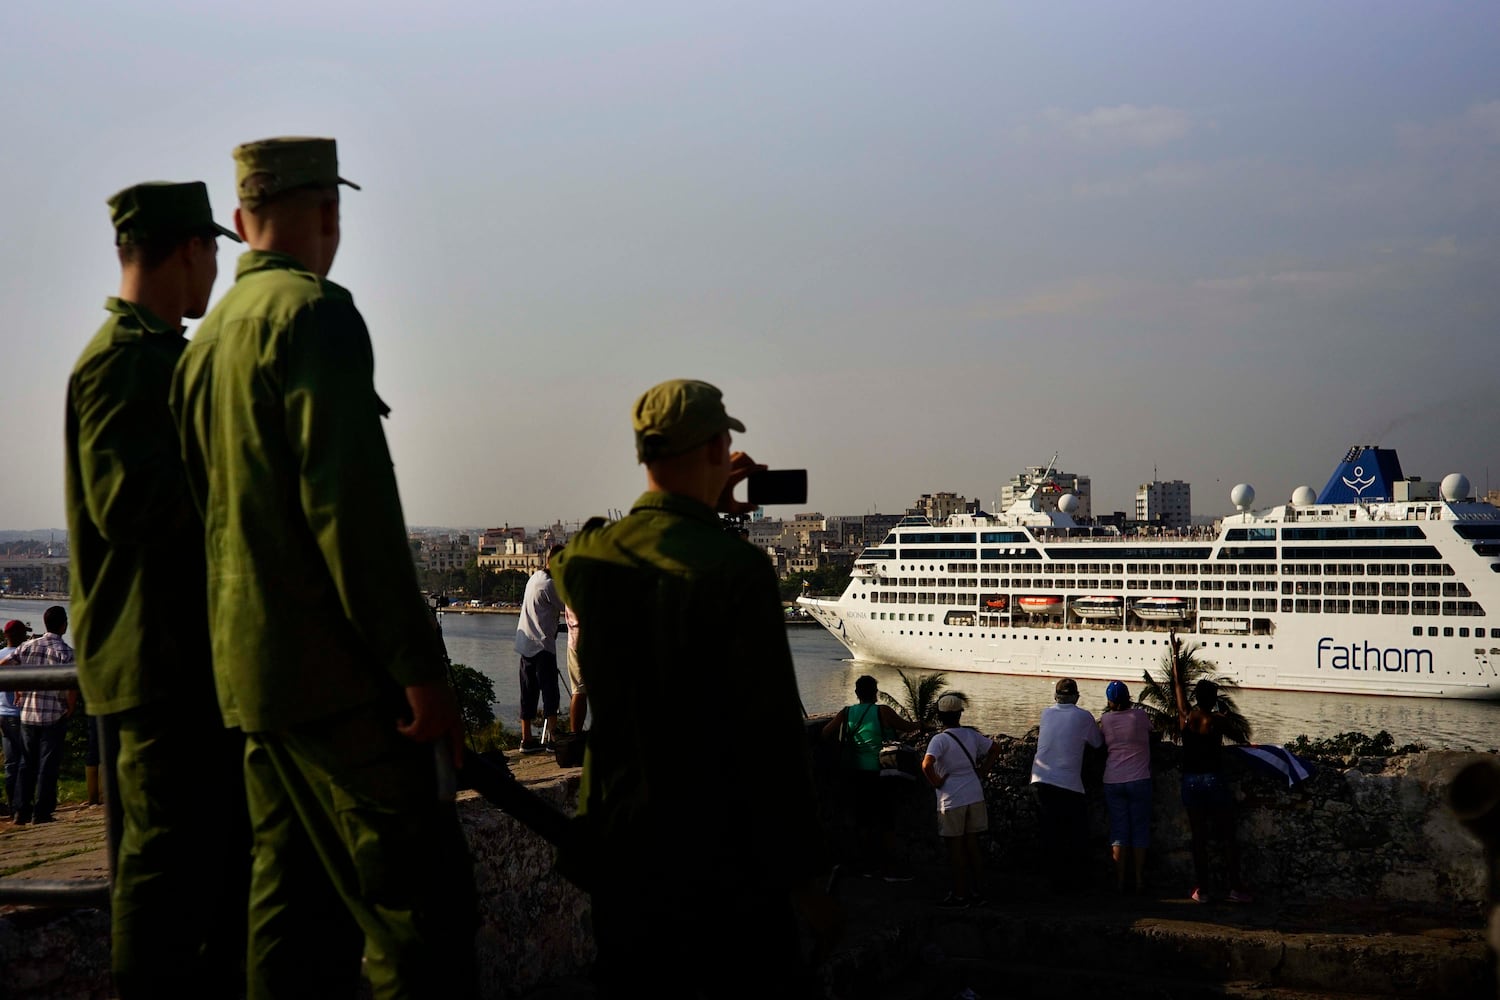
(323, 650)
(694, 854)
(140, 624)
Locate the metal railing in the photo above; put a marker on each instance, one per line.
(67, 893)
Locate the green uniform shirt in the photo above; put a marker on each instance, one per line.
(312, 595)
(139, 624)
(680, 620)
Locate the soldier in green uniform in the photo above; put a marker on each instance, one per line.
(139, 614)
(694, 854)
(323, 650)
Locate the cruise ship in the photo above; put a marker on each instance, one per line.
(1378, 585)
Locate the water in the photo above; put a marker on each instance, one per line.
(998, 704)
(1012, 705)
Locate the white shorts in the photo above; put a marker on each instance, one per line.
(972, 818)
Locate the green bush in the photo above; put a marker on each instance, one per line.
(1344, 746)
(476, 697)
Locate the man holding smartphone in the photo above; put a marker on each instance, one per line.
(697, 854)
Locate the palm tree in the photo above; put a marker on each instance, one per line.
(1160, 701)
(921, 698)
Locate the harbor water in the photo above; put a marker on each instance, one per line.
(997, 704)
(1012, 705)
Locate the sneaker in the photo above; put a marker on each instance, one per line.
(952, 902)
(531, 746)
(1199, 896)
(549, 747)
(45, 819)
(1239, 896)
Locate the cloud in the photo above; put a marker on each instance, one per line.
(1477, 127)
(1447, 246)
(1124, 126)
(1079, 296)
(1308, 280)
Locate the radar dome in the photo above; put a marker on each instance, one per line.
(1067, 503)
(1455, 487)
(1242, 496)
(1303, 496)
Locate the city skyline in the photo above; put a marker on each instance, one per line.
(919, 249)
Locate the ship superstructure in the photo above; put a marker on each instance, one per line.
(1377, 585)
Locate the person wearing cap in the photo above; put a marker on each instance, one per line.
(695, 855)
(1127, 783)
(10, 716)
(957, 761)
(323, 650)
(861, 730)
(1057, 780)
(140, 616)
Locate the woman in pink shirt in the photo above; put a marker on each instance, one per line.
(1127, 782)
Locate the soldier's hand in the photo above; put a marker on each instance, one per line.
(740, 466)
(434, 714)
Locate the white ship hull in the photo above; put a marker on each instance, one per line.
(1270, 597)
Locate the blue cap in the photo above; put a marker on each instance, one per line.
(1117, 692)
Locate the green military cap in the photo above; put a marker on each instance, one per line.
(160, 209)
(675, 416)
(270, 166)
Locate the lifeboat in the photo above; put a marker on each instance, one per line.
(1040, 605)
(1107, 606)
(1162, 609)
(997, 603)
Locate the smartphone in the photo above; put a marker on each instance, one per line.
(777, 486)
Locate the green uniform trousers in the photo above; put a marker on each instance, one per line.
(182, 873)
(355, 854)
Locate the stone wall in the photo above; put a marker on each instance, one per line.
(1376, 831)
(534, 924)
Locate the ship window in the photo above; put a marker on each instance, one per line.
(1432, 630)
(1479, 633)
(1416, 630)
(1463, 633)
(1448, 631)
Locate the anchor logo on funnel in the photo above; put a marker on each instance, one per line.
(1357, 484)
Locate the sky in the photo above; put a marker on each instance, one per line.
(919, 246)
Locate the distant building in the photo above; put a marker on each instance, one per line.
(37, 575)
(877, 526)
(442, 553)
(938, 507)
(765, 533)
(493, 539)
(1167, 503)
(1054, 485)
(1492, 498)
(808, 529)
(512, 554)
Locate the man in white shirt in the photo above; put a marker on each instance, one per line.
(958, 760)
(1057, 780)
(536, 642)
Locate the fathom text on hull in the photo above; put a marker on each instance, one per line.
(1378, 585)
